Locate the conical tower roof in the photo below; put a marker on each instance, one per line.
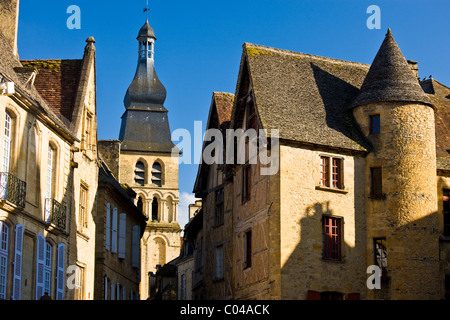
(390, 78)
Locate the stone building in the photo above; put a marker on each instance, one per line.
(120, 225)
(49, 171)
(363, 179)
(143, 159)
(214, 187)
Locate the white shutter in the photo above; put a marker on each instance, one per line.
(122, 234)
(114, 231)
(18, 262)
(135, 252)
(60, 272)
(118, 291)
(40, 258)
(124, 293)
(4, 237)
(112, 289)
(106, 288)
(108, 226)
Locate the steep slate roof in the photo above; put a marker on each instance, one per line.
(224, 105)
(306, 97)
(440, 97)
(57, 82)
(11, 67)
(390, 78)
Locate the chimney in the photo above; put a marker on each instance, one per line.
(414, 67)
(9, 21)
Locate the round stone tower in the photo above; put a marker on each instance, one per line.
(397, 117)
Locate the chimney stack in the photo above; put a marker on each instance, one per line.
(414, 67)
(9, 21)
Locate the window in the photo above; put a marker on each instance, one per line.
(4, 236)
(246, 183)
(325, 171)
(183, 287)
(79, 283)
(88, 130)
(155, 209)
(331, 178)
(7, 143)
(218, 261)
(48, 269)
(139, 172)
(157, 174)
(380, 253)
(247, 249)
(82, 219)
(218, 218)
(331, 227)
(140, 204)
(446, 212)
(199, 256)
(375, 124)
(336, 173)
(376, 185)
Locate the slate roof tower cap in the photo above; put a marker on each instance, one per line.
(146, 91)
(146, 31)
(390, 78)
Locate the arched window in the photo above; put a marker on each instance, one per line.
(50, 171)
(157, 174)
(139, 176)
(140, 204)
(155, 209)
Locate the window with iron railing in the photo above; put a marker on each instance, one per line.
(12, 189)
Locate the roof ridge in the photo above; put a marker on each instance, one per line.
(323, 58)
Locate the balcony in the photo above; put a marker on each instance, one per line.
(55, 213)
(12, 189)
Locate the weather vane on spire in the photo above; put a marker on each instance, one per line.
(146, 9)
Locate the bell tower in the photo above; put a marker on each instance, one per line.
(147, 161)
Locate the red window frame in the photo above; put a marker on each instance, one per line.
(332, 233)
(325, 171)
(446, 211)
(336, 174)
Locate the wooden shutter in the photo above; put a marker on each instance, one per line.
(135, 252)
(40, 258)
(118, 291)
(108, 226)
(122, 234)
(4, 237)
(60, 272)
(112, 290)
(106, 288)
(114, 231)
(18, 262)
(124, 293)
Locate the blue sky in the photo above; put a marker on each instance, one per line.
(199, 45)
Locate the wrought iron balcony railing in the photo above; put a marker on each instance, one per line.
(12, 189)
(55, 213)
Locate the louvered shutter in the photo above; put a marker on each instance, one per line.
(40, 257)
(122, 234)
(118, 291)
(124, 293)
(106, 288)
(18, 262)
(135, 254)
(4, 237)
(114, 231)
(112, 289)
(108, 226)
(60, 272)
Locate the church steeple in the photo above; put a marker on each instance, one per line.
(145, 125)
(146, 91)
